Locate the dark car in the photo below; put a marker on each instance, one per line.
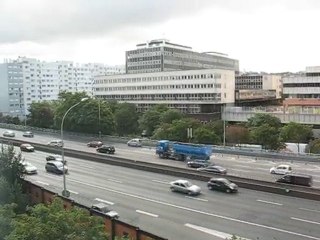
(297, 179)
(57, 158)
(222, 184)
(197, 163)
(26, 147)
(56, 167)
(213, 169)
(94, 144)
(28, 134)
(106, 149)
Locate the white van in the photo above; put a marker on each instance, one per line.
(136, 142)
(55, 143)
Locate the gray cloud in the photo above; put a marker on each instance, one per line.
(51, 20)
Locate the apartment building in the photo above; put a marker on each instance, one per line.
(190, 91)
(161, 55)
(27, 80)
(257, 87)
(302, 91)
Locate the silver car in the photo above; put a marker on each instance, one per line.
(9, 133)
(101, 207)
(184, 186)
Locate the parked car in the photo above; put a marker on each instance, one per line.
(28, 134)
(56, 143)
(106, 149)
(28, 168)
(101, 207)
(94, 144)
(222, 184)
(213, 169)
(198, 163)
(297, 179)
(9, 133)
(53, 157)
(27, 147)
(281, 169)
(136, 142)
(184, 186)
(56, 167)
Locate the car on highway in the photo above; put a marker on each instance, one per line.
(135, 142)
(184, 186)
(197, 163)
(281, 169)
(28, 134)
(296, 179)
(106, 149)
(213, 169)
(103, 208)
(56, 167)
(222, 184)
(94, 144)
(26, 147)
(9, 133)
(55, 143)
(28, 168)
(53, 157)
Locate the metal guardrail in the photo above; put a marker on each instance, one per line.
(277, 188)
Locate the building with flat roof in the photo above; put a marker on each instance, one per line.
(161, 56)
(26, 80)
(190, 91)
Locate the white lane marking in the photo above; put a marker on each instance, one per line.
(158, 181)
(199, 199)
(310, 210)
(316, 181)
(239, 170)
(85, 166)
(274, 203)
(43, 183)
(212, 232)
(304, 220)
(114, 180)
(74, 192)
(105, 201)
(197, 211)
(147, 213)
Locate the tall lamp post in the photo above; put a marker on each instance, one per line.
(65, 192)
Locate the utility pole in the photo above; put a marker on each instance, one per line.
(99, 121)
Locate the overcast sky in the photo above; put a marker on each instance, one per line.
(264, 35)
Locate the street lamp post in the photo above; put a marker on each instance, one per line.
(65, 192)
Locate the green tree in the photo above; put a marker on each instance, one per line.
(170, 115)
(149, 121)
(206, 136)
(260, 119)
(314, 147)
(126, 119)
(266, 136)
(296, 133)
(6, 217)
(53, 222)
(41, 114)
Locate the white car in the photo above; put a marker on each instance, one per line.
(136, 142)
(28, 168)
(9, 133)
(281, 169)
(55, 143)
(184, 186)
(101, 207)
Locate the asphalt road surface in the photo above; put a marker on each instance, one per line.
(143, 199)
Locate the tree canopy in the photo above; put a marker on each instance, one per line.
(41, 114)
(126, 119)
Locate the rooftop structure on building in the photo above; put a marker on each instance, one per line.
(26, 80)
(161, 56)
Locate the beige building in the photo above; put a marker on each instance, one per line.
(191, 91)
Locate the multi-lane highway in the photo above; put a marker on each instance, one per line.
(143, 198)
(242, 166)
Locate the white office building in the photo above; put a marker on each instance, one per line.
(190, 91)
(27, 80)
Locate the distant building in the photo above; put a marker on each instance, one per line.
(27, 80)
(302, 91)
(162, 56)
(190, 91)
(257, 88)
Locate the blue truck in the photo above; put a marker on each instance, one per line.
(182, 151)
